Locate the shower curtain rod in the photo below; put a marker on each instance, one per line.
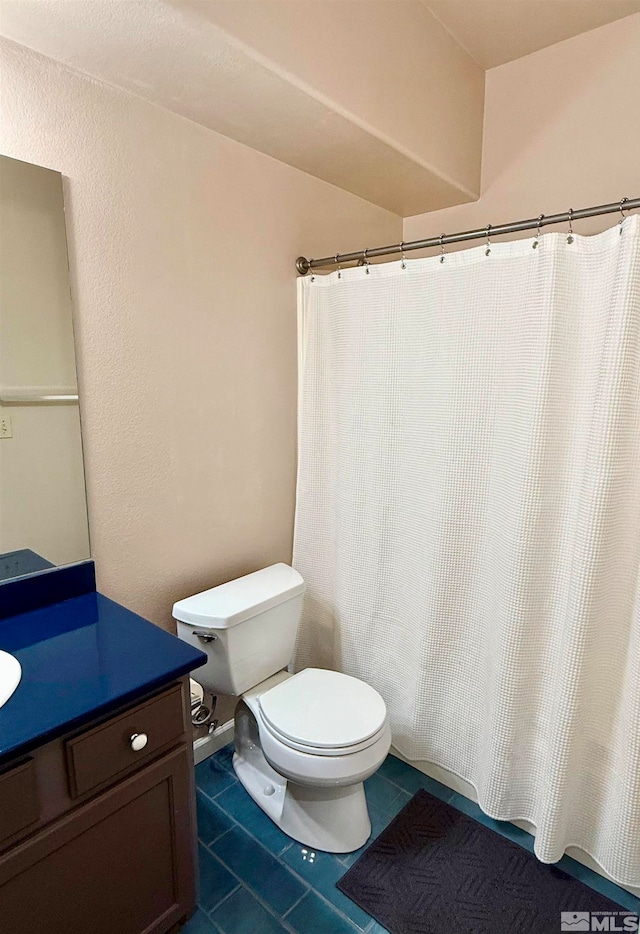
(303, 265)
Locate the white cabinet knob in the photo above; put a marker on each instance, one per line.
(138, 741)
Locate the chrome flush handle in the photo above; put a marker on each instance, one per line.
(204, 634)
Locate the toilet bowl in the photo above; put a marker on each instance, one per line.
(312, 790)
(305, 742)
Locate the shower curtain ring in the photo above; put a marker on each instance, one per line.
(313, 278)
(537, 237)
(442, 249)
(570, 237)
(366, 261)
(623, 217)
(487, 252)
(338, 265)
(403, 262)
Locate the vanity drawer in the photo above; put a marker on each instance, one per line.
(18, 799)
(106, 752)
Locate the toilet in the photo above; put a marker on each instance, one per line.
(305, 742)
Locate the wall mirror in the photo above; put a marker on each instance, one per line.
(43, 511)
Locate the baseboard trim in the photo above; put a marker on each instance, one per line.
(206, 746)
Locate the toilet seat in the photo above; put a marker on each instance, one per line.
(315, 767)
(322, 712)
(329, 768)
(322, 750)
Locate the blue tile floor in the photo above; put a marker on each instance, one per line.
(256, 880)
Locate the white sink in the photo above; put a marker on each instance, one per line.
(10, 674)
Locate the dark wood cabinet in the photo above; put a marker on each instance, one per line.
(119, 861)
(99, 756)
(18, 800)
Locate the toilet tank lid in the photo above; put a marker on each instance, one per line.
(240, 599)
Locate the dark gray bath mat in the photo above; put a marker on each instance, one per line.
(434, 870)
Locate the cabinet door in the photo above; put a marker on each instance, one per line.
(18, 800)
(122, 864)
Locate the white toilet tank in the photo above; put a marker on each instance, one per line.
(247, 627)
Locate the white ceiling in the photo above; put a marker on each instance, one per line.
(331, 100)
(497, 31)
(327, 87)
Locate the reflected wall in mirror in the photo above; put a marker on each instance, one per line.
(43, 512)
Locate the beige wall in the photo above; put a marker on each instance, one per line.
(182, 246)
(561, 130)
(42, 493)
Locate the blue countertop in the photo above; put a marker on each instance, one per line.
(80, 658)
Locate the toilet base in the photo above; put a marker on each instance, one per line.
(333, 819)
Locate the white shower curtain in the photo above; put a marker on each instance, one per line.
(468, 520)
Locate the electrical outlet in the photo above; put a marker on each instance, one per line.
(5, 426)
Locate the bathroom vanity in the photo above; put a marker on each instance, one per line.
(97, 816)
